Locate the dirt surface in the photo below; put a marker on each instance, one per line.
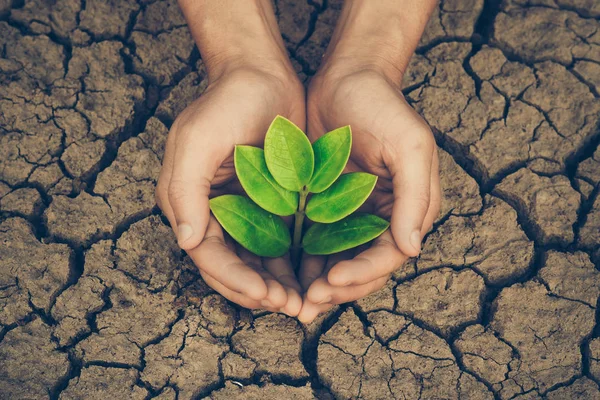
(97, 301)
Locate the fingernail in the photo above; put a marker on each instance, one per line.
(184, 232)
(325, 300)
(266, 303)
(415, 240)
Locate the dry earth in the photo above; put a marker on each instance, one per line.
(96, 300)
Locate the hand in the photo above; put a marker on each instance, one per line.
(236, 108)
(356, 85)
(393, 142)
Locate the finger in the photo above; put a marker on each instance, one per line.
(331, 261)
(236, 297)
(229, 294)
(411, 172)
(229, 242)
(336, 258)
(435, 196)
(235, 248)
(310, 311)
(311, 267)
(281, 269)
(294, 303)
(276, 296)
(196, 163)
(380, 260)
(321, 292)
(215, 258)
(161, 194)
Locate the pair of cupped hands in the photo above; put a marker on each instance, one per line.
(390, 140)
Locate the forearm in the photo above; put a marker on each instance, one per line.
(233, 32)
(380, 34)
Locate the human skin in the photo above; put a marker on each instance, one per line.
(358, 84)
(250, 81)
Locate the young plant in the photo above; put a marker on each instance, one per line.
(291, 176)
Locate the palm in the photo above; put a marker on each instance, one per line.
(236, 109)
(383, 126)
(276, 271)
(371, 106)
(255, 119)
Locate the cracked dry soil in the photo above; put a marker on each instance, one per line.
(97, 301)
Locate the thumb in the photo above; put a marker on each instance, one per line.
(194, 168)
(411, 173)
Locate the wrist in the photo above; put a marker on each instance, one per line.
(270, 66)
(232, 34)
(378, 36)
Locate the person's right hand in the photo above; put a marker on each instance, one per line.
(236, 108)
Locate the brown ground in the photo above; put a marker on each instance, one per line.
(97, 302)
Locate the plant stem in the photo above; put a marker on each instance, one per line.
(298, 223)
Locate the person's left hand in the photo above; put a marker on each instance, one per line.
(393, 142)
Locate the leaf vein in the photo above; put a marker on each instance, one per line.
(267, 179)
(328, 161)
(328, 199)
(252, 223)
(337, 232)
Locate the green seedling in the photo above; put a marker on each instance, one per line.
(292, 177)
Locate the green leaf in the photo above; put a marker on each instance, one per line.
(289, 155)
(257, 181)
(332, 151)
(342, 198)
(343, 235)
(257, 230)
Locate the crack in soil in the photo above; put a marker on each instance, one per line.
(483, 35)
